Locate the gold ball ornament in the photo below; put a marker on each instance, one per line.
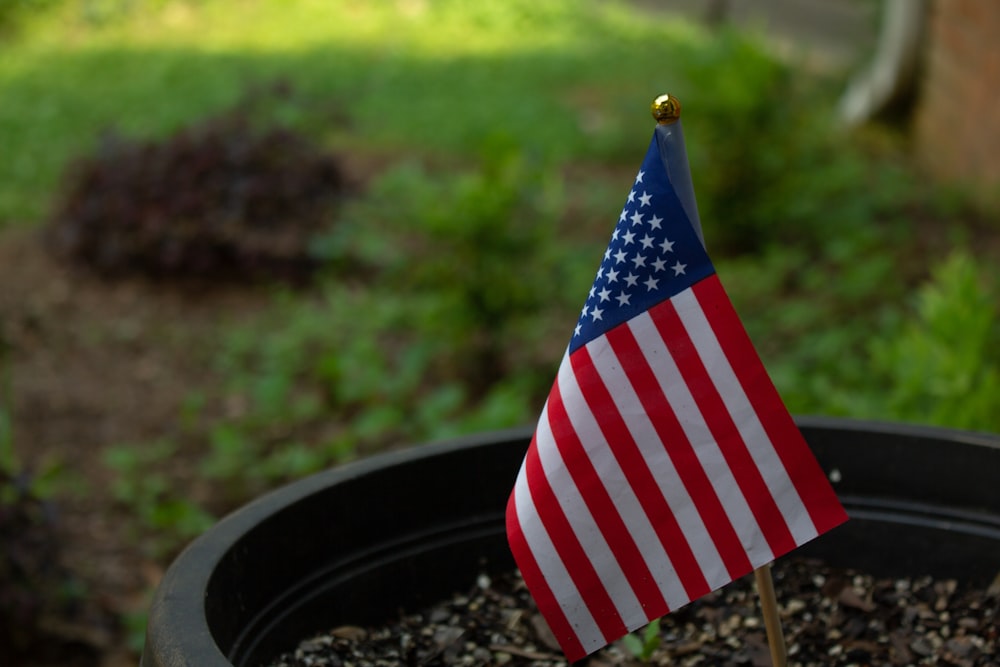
(666, 109)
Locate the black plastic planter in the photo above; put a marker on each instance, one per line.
(355, 544)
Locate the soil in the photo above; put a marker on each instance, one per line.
(95, 364)
(828, 617)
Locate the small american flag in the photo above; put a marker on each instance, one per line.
(664, 464)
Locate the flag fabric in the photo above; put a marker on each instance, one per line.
(664, 464)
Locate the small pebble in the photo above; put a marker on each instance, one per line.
(829, 619)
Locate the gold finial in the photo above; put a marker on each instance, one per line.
(666, 109)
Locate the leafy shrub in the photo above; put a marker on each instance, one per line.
(932, 356)
(222, 199)
(941, 365)
(768, 161)
(486, 252)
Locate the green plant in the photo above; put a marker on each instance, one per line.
(941, 364)
(484, 242)
(927, 354)
(161, 518)
(311, 393)
(643, 645)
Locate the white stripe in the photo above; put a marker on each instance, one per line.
(662, 467)
(706, 449)
(622, 496)
(746, 419)
(583, 524)
(552, 568)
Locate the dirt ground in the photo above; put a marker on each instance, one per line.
(95, 364)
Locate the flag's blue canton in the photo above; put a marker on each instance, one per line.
(654, 254)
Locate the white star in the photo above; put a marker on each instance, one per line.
(607, 253)
(659, 265)
(623, 299)
(631, 196)
(629, 237)
(612, 276)
(604, 294)
(668, 246)
(651, 283)
(647, 241)
(596, 313)
(614, 236)
(630, 279)
(678, 268)
(576, 331)
(655, 221)
(583, 313)
(639, 260)
(637, 218)
(590, 296)
(619, 256)
(645, 198)
(638, 178)
(621, 218)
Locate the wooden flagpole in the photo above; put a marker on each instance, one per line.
(666, 110)
(769, 609)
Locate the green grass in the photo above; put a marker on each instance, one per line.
(407, 76)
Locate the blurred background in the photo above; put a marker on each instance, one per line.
(243, 241)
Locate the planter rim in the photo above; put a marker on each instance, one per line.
(189, 574)
(231, 526)
(965, 436)
(192, 569)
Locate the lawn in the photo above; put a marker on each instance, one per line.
(424, 78)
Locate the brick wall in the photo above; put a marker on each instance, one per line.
(957, 123)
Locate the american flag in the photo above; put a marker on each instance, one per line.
(664, 464)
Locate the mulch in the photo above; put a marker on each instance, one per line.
(829, 617)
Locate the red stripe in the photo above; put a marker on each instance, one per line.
(628, 455)
(808, 478)
(570, 551)
(603, 509)
(720, 423)
(539, 588)
(678, 447)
